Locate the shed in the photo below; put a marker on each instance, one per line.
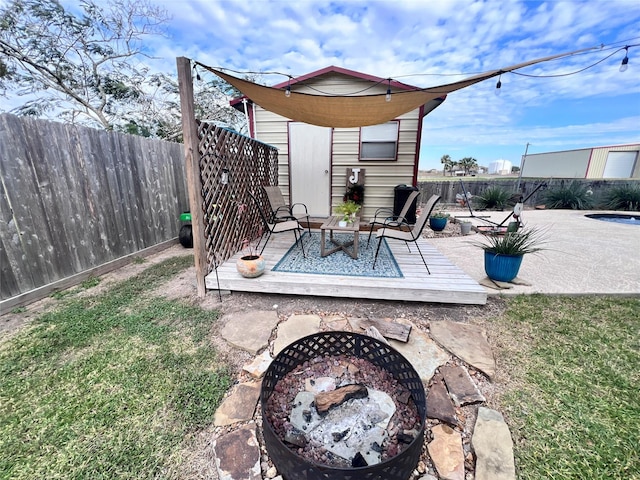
(316, 164)
(617, 161)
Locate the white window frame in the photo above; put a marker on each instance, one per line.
(379, 136)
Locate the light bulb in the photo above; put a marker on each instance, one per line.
(498, 88)
(287, 92)
(625, 61)
(388, 95)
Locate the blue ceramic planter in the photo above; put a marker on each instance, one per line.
(437, 224)
(502, 268)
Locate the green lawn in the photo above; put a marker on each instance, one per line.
(573, 401)
(117, 384)
(110, 385)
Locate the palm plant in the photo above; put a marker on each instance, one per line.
(575, 196)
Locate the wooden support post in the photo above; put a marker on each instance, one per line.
(192, 168)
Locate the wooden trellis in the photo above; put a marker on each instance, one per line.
(230, 216)
(222, 167)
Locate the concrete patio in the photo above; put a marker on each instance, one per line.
(584, 255)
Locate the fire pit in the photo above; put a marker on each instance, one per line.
(334, 349)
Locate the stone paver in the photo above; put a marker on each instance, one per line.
(294, 328)
(461, 388)
(422, 352)
(259, 365)
(493, 445)
(237, 455)
(446, 452)
(249, 331)
(439, 403)
(239, 406)
(466, 342)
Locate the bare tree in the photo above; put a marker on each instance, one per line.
(86, 68)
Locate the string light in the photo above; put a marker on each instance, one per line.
(287, 91)
(498, 85)
(625, 61)
(388, 96)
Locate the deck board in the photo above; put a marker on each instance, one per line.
(446, 284)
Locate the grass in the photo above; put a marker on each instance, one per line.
(109, 386)
(572, 398)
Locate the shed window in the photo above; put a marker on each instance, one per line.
(379, 142)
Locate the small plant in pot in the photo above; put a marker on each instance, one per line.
(503, 253)
(250, 264)
(348, 211)
(438, 220)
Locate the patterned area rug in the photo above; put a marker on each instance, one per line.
(340, 263)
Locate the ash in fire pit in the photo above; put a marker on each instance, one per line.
(343, 412)
(354, 430)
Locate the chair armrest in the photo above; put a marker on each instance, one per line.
(383, 212)
(396, 221)
(306, 212)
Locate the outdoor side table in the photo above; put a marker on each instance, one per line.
(332, 225)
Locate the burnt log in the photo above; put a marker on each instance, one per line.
(327, 400)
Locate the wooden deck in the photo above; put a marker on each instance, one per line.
(446, 284)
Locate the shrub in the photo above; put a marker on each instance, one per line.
(575, 196)
(492, 197)
(623, 197)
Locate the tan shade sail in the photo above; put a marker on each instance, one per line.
(354, 111)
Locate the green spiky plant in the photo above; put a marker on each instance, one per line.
(492, 198)
(575, 196)
(521, 242)
(623, 197)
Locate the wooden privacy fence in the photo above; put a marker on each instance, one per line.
(74, 198)
(231, 165)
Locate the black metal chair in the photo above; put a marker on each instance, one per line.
(278, 227)
(385, 216)
(410, 236)
(281, 211)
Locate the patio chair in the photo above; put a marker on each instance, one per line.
(280, 211)
(385, 216)
(410, 236)
(278, 227)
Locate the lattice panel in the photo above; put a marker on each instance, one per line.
(229, 215)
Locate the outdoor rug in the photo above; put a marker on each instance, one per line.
(340, 263)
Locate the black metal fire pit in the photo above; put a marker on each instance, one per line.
(292, 466)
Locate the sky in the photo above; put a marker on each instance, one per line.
(427, 43)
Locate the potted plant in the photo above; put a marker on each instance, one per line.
(438, 220)
(348, 211)
(250, 264)
(503, 253)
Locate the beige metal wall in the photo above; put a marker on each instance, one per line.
(599, 159)
(381, 176)
(566, 164)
